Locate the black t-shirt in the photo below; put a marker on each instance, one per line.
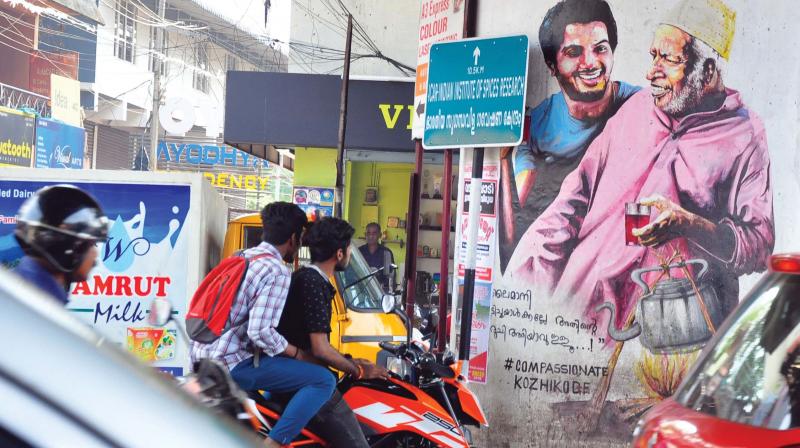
(308, 307)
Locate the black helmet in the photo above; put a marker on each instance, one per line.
(60, 223)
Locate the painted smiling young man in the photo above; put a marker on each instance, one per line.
(578, 39)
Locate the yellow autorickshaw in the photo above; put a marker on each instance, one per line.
(359, 316)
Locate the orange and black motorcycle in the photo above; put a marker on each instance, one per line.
(425, 403)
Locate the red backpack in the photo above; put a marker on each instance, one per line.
(210, 309)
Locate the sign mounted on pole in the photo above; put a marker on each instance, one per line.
(439, 21)
(476, 93)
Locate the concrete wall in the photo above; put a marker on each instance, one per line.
(760, 70)
(392, 26)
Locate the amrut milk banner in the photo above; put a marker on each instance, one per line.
(145, 257)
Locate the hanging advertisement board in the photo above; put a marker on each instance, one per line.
(16, 138)
(486, 255)
(317, 202)
(146, 256)
(59, 145)
(439, 21)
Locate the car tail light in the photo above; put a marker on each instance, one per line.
(789, 264)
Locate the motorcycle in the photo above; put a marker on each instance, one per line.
(425, 403)
(210, 382)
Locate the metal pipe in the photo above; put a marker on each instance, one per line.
(469, 265)
(444, 266)
(470, 30)
(412, 232)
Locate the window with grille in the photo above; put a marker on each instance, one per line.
(125, 30)
(200, 79)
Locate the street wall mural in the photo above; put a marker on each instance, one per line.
(656, 181)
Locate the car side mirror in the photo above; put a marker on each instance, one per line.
(387, 262)
(160, 312)
(388, 303)
(389, 269)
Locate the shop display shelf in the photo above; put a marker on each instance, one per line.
(435, 228)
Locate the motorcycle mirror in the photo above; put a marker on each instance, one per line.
(387, 262)
(388, 303)
(160, 312)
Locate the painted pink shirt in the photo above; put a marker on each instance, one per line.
(714, 164)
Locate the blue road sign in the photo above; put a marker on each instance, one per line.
(476, 93)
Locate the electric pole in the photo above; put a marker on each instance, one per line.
(161, 6)
(339, 195)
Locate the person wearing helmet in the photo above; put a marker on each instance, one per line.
(57, 228)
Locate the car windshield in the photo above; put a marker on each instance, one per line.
(365, 295)
(752, 374)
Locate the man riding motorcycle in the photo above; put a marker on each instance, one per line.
(305, 323)
(259, 358)
(57, 228)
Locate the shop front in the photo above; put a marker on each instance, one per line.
(301, 112)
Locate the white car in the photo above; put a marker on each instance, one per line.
(63, 385)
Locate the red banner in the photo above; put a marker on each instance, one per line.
(44, 64)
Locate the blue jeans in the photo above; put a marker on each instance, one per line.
(312, 386)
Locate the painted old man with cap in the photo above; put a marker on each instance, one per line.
(688, 147)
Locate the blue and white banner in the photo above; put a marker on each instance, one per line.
(59, 145)
(146, 256)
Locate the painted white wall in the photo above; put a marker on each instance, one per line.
(116, 78)
(392, 25)
(132, 83)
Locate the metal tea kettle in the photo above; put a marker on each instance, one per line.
(670, 317)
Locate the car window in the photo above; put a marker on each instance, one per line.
(366, 295)
(7, 438)
(752, 374)
(252, 236)
(21, 424)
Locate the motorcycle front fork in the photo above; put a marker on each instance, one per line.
(464, 431)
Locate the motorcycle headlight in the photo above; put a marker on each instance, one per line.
(398, 366)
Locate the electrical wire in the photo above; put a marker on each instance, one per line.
(161, 23)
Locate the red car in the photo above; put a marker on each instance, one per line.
(744, 389)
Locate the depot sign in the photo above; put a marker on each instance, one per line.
(234, 181)
(223, 166)
(196, 154)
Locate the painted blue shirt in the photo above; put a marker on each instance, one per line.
(556, 134)
(35, 274)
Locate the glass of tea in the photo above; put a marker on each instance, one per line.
(636, 216)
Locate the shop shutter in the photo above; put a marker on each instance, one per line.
(113, 149)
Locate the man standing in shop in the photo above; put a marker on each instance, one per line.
(376, 253)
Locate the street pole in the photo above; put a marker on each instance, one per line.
(154, 128)
(277, 174)
(258, 191)
(444, 266)
(469, 265)
(339, 196)
(412, 235)
(471, 14)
